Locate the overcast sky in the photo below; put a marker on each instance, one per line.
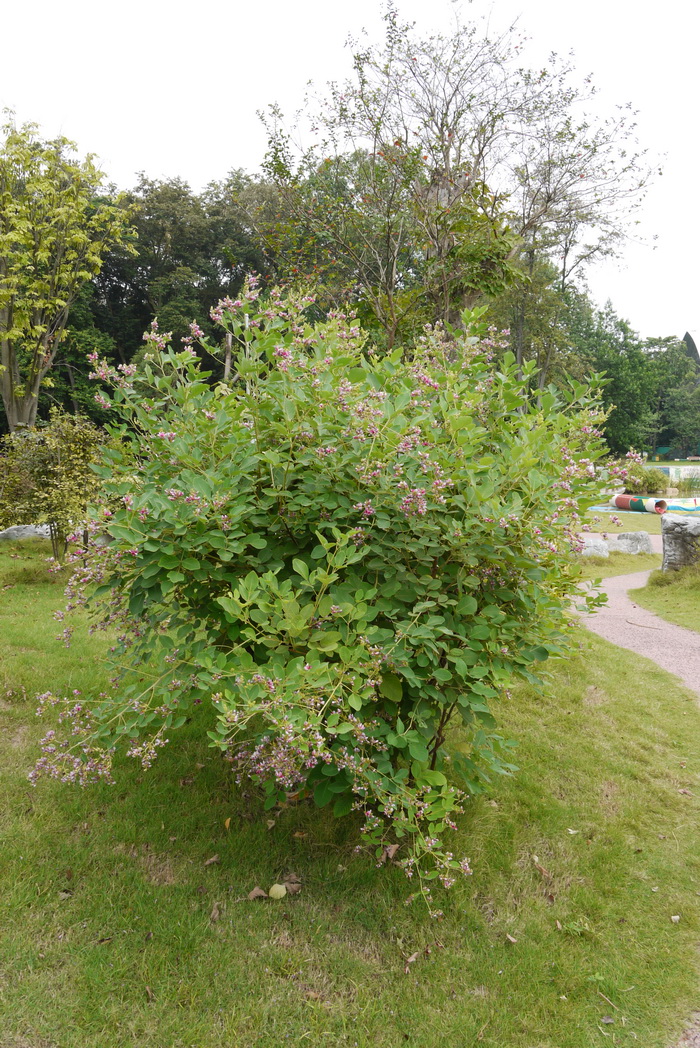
(172, 89)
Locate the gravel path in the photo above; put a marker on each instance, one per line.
(624, 623)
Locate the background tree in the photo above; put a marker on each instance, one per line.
(54, 231)
(46, 475)
(414, 162)
(392, 186)
(192, 249)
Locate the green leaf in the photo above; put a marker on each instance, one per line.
(418, 751)
(323, 794)
(343, 806)
(301, 568)
(256, 541)
(467, 606)
(391, 687)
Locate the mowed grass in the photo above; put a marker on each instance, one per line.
(600, 521)
(619, 564)
(116, 933)
(674, 595)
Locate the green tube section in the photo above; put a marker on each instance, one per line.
(636, 504)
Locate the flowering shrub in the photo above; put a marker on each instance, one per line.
(346, 557)
(640, 479)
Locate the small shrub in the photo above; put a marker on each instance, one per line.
(644, 480)
(346, 557)
(689, 576)
(689, 485)
(46, 475)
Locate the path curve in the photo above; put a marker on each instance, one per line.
(624, 623)
(674, 649)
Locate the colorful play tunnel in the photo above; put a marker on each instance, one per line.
(639, 505)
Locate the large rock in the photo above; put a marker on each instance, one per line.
(24, 531)
(630, 542)
(681, 539)
(593, 545)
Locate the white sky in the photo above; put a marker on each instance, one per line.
(172, 89)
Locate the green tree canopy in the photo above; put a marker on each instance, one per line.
(55, 228)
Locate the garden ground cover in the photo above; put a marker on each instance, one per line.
(674, 596)
(117, 933)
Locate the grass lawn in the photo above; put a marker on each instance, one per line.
(116, 931)
(619, 564)
(674, 595)
(600, 521)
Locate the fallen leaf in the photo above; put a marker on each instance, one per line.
(687, 793)
(389, 852)
(148, 936)
(676, 918)
(187, 781)
(607, 1019)
(540, 869)
(569, 830)
(257, 893)
(65, 894)
(271, 823)
(227, 823)
(655, 889)
(213, 861)
(300, 835)
(292, 884)
(107, 938)
(68, 874)
(558, 924)
(277, 891)
(150, 994)
(410, 960)
(510, 938)
(311, 995)
(215, 913)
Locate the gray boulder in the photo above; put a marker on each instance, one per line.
(630, 542)
(24, 531)
(593, 545)
(681, 540)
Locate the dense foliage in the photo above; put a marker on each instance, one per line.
(345, 556)
(644, 480)
(54, 232)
